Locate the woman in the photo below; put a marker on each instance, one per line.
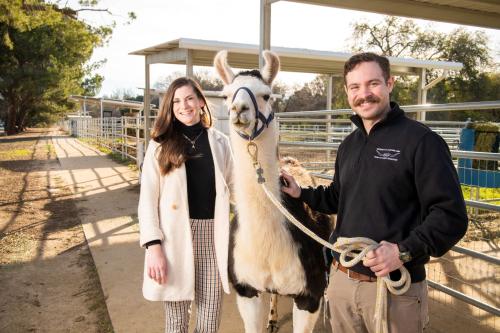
(184, 210)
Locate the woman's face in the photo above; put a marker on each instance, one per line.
(187, 106)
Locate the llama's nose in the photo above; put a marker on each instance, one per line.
(239, 108)
(239, 116)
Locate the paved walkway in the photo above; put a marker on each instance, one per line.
(107, 196)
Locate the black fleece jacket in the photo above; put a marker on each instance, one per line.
(396, 184)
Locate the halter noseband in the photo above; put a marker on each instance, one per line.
(258, 116)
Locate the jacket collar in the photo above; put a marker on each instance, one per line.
(214, 135)
(394, 113)
(216, 148)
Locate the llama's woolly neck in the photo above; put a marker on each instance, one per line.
(266, 155)
(257, 207)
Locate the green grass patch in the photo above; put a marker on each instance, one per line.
(15, 153)
(135, 221)
(115, 156)
(485, 194)
(50, 149)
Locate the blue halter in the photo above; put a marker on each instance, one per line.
(258, 116)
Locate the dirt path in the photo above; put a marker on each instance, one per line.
(48, 281)
(106, 194)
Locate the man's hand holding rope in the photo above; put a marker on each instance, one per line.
(384, 259)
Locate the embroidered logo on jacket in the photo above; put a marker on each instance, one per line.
(387, 154)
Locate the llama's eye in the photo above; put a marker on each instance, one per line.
(266, 97)
(224, 97)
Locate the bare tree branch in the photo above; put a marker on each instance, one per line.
(94, 10)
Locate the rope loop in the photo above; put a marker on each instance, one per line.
(253, 151)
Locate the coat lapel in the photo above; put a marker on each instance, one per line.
(215, 147)
(181, 176)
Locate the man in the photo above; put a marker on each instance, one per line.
(395, 183)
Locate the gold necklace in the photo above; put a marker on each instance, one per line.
(193, 142)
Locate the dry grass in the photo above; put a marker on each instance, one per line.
(48, 279)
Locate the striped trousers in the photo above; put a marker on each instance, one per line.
(208, 286)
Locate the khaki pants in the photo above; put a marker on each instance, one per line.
(352, 306)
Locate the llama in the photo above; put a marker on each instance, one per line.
(267, 253)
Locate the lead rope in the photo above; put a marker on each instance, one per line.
(355, 248)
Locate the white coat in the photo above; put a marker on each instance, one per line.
(164, 214)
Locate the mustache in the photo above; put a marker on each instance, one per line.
(368, 99)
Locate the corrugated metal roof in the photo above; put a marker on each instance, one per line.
(480, 13)
(292, 59)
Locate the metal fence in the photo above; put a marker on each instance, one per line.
(465, 289)
(465, 281)
(124, 135)
(464, 293)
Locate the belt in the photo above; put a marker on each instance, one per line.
(352, 275)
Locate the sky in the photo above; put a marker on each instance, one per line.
(158, 21)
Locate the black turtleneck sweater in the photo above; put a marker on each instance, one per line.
(199, 171)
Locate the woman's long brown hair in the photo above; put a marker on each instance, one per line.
(173, 152)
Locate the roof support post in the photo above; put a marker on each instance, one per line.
(329, 92)
(189, 63)
(422, 93)
(102, 119)
(329, 95)
(265, 29)
(147, 98)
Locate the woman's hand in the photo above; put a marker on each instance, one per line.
(156, 263)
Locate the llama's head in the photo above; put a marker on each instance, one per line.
(248, 94)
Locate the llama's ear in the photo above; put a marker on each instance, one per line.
(271, 67)
(222, 67)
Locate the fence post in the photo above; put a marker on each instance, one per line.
(123, 138)
(139, 145)
(139, 148)
(140, 155)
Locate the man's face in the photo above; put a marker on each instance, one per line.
(368, 92)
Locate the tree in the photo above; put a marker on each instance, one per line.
(280, 88)
(403, 38)
(44, 49)
(394, 37)
(312, 96)
(208, 82)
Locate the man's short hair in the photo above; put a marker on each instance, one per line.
(359, 58)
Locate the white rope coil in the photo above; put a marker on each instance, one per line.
(355, 248)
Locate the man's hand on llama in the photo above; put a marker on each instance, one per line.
(292, 189)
